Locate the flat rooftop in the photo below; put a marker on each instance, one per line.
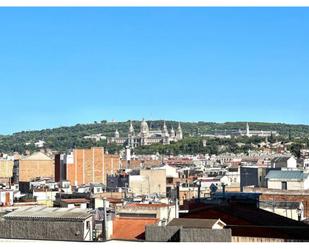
(45, 213)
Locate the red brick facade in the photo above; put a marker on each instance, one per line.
(91, 166)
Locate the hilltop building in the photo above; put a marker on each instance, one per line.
(246, 132)
(147, 136)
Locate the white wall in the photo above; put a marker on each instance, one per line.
(292, 163)
(88, 232)
(291, 185)
(43, 196)
(167, 213)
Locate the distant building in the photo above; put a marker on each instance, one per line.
(149, 181)
(6, 171)
(39, 144)
(95, 137)
(305, 163)
(163, 212)
(284, 162)
(37, 165)
(147, 136)
(287, 180)
(114, 182)
(246, 132)
(85, 166)
(252, 176)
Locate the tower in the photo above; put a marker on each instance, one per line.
(131, 130)
(166, 135)
(173, 134)
(131, 136)
(116, 133)
(179, 132)
(165, 130)
(247, 130)
(144, 134)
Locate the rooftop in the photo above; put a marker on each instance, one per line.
(131, 228)
(252, 222)
(49, 213)
(280, 159)
(286, 175)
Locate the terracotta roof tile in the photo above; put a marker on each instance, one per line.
(131, 228)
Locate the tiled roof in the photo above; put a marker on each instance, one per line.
(45, 213)
(286, 175)
(131, 228)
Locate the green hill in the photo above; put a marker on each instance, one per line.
(63, 138)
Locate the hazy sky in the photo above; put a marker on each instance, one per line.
(62, 66)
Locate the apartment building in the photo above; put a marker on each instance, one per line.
(85, 166)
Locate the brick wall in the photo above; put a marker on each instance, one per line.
(30, 169)
(6, 168)
(91, 166)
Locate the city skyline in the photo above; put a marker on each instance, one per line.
(161, 63)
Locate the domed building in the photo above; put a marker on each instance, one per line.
(147, 136)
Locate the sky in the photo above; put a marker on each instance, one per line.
(63, 66)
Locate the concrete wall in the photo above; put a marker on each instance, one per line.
(291, 185)
(162, 233)
(179, 234)
(205, 235)
(42, 230)
(139, 185)
(148, 182)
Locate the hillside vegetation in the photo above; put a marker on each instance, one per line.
(64, 138)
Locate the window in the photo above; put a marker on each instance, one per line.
(284, 185)
(87, 224)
